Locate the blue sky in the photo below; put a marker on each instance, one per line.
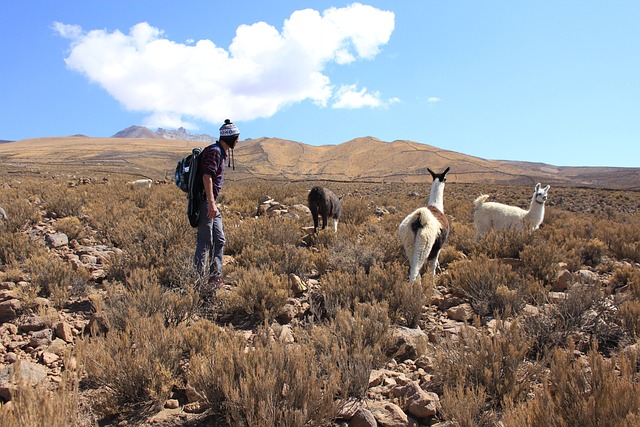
(556, 82)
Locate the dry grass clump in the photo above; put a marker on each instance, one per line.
(258, 296)
(492, 366)
(351, 345)
(142, 293)
(52, 278)
(626, 277)
(503, 243)
(135, 365)
(542, 260)
(266, 384)
(61, 201)
(39, 406)
(72, 226)
(593, 392)
(490, 286)
(16, 247)
(585, 316)
(282, 259)
(622, 236)
(20, 211)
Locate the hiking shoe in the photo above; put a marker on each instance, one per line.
(216, 282)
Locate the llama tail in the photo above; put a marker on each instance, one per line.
(421, 241)
(480, 200)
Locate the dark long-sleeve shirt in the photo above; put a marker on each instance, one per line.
(212, 162)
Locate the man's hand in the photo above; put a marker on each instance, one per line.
(212, 209)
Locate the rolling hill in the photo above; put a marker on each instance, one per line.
(361, 159)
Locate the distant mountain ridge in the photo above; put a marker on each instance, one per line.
(177, 134)
(154, 155)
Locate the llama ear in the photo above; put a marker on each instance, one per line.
(547, 188)
(445, 171)
(537, 186)
(433, 175)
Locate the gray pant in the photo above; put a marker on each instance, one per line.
(210, 244)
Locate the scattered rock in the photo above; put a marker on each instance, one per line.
(20, 372)
(56, 240)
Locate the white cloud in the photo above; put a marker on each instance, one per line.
(433, 100)
(261, 72)
(350, 97)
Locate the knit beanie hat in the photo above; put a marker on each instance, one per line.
(229, 129)
(229, 133)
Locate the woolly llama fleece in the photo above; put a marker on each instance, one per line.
(424, 231)
(488, 215)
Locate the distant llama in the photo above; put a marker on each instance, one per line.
(324, 202)
(140, 183)
(424, 231)
(487, 215)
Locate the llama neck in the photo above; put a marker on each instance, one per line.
(436, 196)
(535, 214)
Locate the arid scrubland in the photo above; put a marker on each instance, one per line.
(99, 300)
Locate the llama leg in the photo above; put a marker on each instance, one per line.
(419, 257)
(314, 215)
(335, 225)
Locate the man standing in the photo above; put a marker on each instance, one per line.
(210, 234)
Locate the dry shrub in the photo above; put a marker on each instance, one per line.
(352, 344)
(622, 237)
(268, 384)
(467, 407)
(592, 252)
(630, 316)
(503, 243)
(59, 201)
(20, 212)
(71, 226)
(461, 238)
(52, 278)
(161, 243)
(281, 259)
(31, 406)
(144, 295)
(277, 231)
(136, 365)
(542, 261)
(16, 247)
(576, 393)
(626, 277)
(355, 210)
(259, 295)
(577, 317)
(490, 286)
(352, 251)
(406, 300)
(496, 363)
(342, 290)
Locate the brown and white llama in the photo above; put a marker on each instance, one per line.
(424, 231)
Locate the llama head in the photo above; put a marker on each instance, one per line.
(540, 194)
(437, 189)
(439, 176)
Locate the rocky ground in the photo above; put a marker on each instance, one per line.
(36, 338)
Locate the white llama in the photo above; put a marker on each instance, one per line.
(424, 231)
(487, 215)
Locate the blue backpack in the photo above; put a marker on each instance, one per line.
(186, 178)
